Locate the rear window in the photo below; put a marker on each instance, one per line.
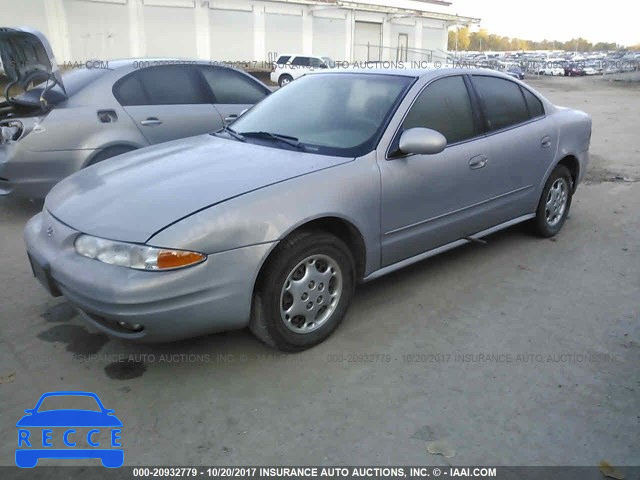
(301, 61)
(172, 85)
(503, 102)
(166, 85)
(129, 91)
(533, 103)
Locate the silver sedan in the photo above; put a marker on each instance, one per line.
(341, 177)
(102, 109)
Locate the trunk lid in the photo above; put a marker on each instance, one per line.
(27, 55)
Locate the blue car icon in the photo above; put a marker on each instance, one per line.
(32, 446)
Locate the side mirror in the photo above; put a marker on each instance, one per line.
(422, 141)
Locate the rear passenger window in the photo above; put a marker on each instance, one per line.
(535, 105)
(301, 61)
(444, 106)
(129, 91)
(173, 85)
(231, 87)
(283, 59)
(503, 102)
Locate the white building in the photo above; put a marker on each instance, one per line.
(238, 30)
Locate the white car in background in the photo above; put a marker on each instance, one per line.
(553, 71)
(289, 67)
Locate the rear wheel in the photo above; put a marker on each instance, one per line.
(304, 291)
(554, 204)
(285, 80)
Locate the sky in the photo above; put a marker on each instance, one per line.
(611, 21)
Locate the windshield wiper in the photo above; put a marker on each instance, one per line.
(289, 140)
(232, 132)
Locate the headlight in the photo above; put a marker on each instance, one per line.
(139, 257)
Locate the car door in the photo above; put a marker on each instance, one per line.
(168, 102)
(522, 145)
(431, 200)
(233, 92)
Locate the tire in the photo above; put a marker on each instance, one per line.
(285, 80)
(555, 202)
(110, 152)
(314, 314)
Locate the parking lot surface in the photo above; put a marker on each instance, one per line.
(522, 351)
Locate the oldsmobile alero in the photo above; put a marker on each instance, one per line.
(341, 177)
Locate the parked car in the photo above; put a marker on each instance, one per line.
(590, 70)
(574, 70)
(343, 176)
(552, 70)
(289, 67)
(515, 72)
(70, 121)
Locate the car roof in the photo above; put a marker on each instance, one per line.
(292, 55)
(414, 72)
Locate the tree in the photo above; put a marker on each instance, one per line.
(483, 40)
(479, 40)
(459, 37)
(605, 46)
(578, 45)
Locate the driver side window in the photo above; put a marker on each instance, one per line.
(444, 106)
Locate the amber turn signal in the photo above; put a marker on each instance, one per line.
(176, 259)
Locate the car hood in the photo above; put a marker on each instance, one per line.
(133, 196)
(69, 418)
(24, 51)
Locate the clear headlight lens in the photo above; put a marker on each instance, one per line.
(139, 257)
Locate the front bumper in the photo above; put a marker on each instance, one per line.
(206, 298)
(25, 173)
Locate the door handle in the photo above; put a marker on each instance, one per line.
(477, 162)
(546, 142)
(151, 121)
(231, 118)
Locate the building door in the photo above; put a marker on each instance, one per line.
(367, 42)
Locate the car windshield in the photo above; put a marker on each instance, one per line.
(331, 114)
(69, 402)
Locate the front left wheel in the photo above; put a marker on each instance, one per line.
(304, 291)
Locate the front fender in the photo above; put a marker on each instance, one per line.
(350, 191)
